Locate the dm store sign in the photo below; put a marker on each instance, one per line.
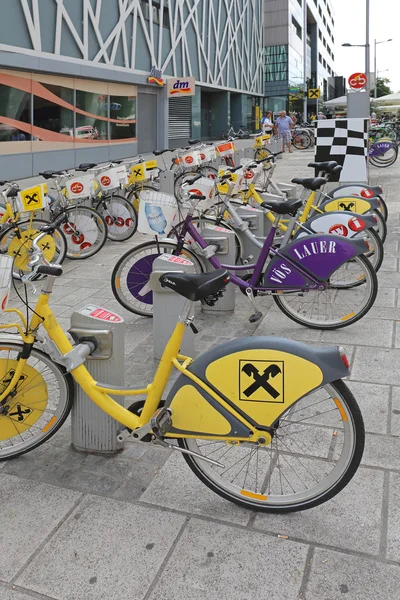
(180, 86)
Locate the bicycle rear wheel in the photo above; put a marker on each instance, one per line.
(39, 404)
(120, 217)
(316, 449)
(345, 301)
(301, 140)
(130, 279)
(85, 230)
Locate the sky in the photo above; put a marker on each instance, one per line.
(350, 27)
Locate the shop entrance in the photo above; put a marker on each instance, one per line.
(214, 114)
(147, 122)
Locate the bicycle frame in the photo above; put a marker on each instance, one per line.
(100, 393)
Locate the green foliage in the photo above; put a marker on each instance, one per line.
(383, 87)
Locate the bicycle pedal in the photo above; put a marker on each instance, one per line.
(255, 317)
(161, 422)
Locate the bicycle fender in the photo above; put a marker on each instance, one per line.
(356, 189)
(339, 223)
(351, 204)
(255, 379)
(320, 255)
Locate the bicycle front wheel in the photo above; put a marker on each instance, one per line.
(350, 294)
(130, 279)
(315, 451)
(120, 217)
(39, 404)
(85, 230)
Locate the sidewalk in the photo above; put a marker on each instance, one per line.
(140, 526)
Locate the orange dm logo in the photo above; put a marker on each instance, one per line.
(156, 77)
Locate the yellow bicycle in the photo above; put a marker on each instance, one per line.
(264, 422)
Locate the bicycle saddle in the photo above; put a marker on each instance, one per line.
(13, 193)
(50, 174)
(159, 152)
(196, 286)
(324, 166)
(283, 207)
(86, 166)
(310, 183)
(192, 142)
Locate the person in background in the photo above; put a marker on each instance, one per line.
(266, 123)
(321, 116)
(293, 117)
(284, 124)
(373, 115)
(18, 136)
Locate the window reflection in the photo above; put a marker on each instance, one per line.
(49, 114)
(122, 113)
(15, 106)
(89, 126)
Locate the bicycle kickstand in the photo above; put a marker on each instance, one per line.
(257, 315)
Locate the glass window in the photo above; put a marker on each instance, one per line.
(159, 15)
(15, 109)
(53, 111)
(276, 63)
(123, 115)
(89, 125)
(297, 28)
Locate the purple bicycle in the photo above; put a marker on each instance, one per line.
(322, 281)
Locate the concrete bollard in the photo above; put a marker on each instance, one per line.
(167, 305)
(226, 254)
(91, 429)
(167, 182)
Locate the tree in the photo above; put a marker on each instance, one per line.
(382, 84)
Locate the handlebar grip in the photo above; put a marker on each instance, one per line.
(226, 176)
(54, 270)
(197, 197)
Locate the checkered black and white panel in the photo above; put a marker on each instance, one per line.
(346, 142)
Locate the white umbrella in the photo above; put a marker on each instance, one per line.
(341, 101)
(392, 99)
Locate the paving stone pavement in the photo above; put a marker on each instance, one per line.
(140, 526)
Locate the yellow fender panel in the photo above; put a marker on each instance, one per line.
(192, 412)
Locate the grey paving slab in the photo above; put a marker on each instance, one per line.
(105, 550)
(376, 365)
(351, 520)
(14, 594)
(390, 264)
(386, 297)
(374, 403)
(178, 488)
(276, 323)
(395, 412)
(209, 563)
(33, 511)
(336, 576)
(363, 331)
(393, 528)
(382, 451)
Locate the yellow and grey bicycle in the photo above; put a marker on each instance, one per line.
(265, 422)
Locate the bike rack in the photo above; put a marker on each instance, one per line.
(223, 245)
(259, 226)
(92, 430)
(167, 305)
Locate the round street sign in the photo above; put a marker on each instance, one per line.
(357, 81)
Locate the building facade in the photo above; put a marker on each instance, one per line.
(83, 80)
(299, 55)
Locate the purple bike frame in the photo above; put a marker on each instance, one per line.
(257, 267)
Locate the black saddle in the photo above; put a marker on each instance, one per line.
(326, 166)
(283, 207)
(86, 166)
(159, 152)
(196, 287)
(50, 174)
(310, 183)
(192, 142)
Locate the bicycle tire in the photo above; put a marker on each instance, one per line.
(120, 217)
(376, 253)
(225, 134)
(84, 243)
(343, 318)
(301, 140)
(244, 134)
(258, 496)
(131, 286)
(380, 227)
(384, 209)
(262, 153)
(134, 194)
(10, 244)
(54, 409)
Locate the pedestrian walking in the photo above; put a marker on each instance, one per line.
(284, 125)
(266, 123)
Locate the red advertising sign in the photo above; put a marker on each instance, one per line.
(339, 229)
(76, 188)
(356, 224)
(367, 193)
(105, 180)
(105, 315)
(357, 81)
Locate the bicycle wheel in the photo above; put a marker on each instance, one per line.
(18, 243)
(134, 194)
(130, 279)
(244, 134)
(119, 216)
(344, 302)
(381, 227)
(316, 449)
(39, 404)
(226, 134)
(85, 230)
(376, 251)
(301, 140)
(384, 209)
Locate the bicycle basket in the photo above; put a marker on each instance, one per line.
(203, 187)
(6, 267)
(227, 149)
(190, 159)
(139, 173)
(207, 154)
(251, 175)
(237, 178)
(33, 198)
(157, 212)
(80, 187)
